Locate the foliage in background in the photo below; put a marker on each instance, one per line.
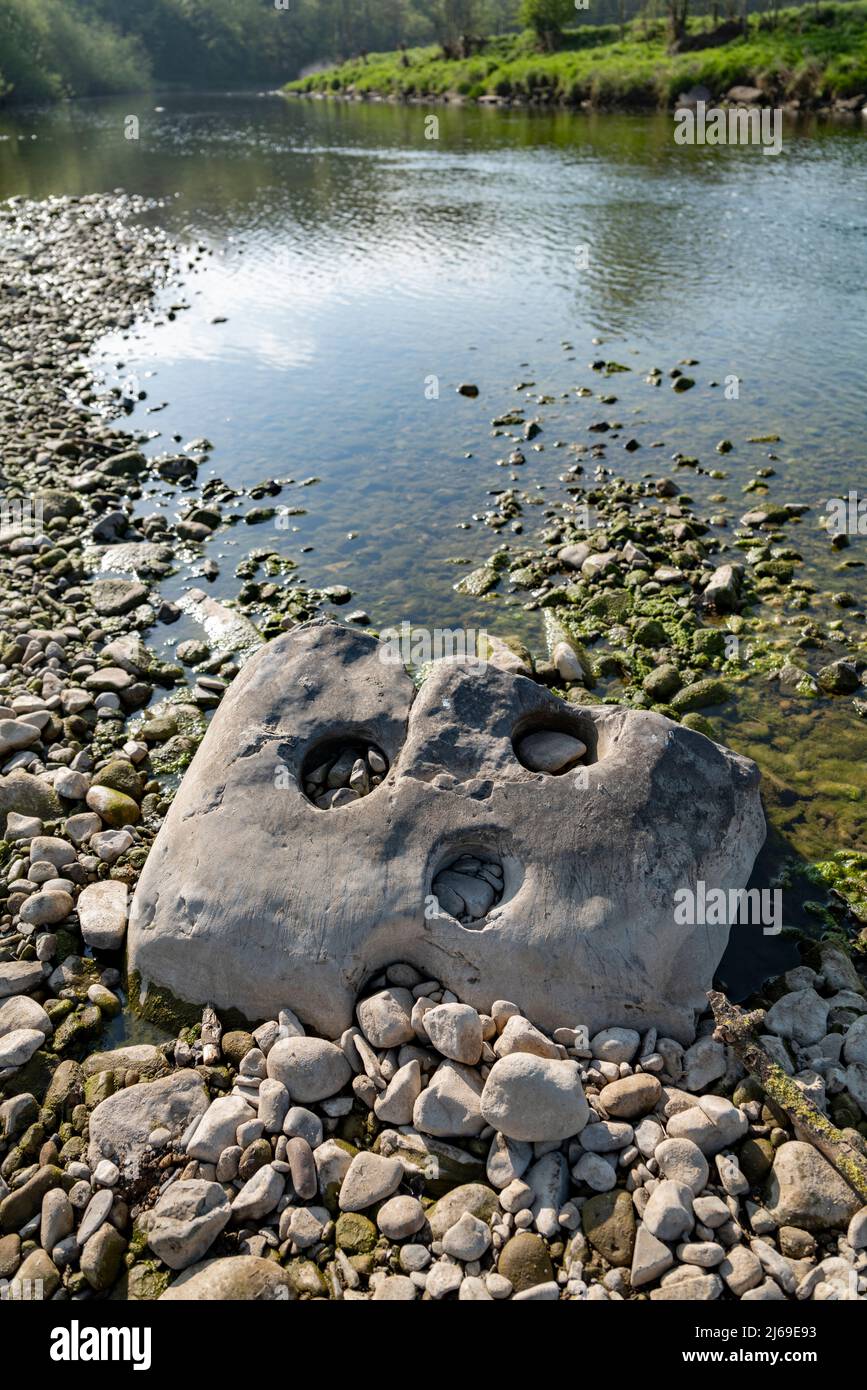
(56, 48)
(806, 53)
(50, 49)
(547, 19)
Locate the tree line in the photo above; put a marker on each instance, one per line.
(50, 49)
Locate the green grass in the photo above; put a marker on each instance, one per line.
(809, 54)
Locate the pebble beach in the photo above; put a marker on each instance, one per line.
(434, 1150)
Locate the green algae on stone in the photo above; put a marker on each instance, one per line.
(699, 725)
(561, 629)
(144, 1281)
(608, 1220)
(700, 695)
(98, 1088)
(662, 682)
(115, 808)
(158, 1005)
(355, 1233)
(846, 873)
(76, 1028)
(120, 776)
(525, 1262)
(650, 633)
(306, 1279)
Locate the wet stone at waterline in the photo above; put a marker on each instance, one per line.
(482, 858)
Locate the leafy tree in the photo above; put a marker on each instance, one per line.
(456, 24)
(50, 49)
(548, 19)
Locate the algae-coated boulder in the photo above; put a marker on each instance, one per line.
(120, 776)
(355, 1233)
(525, 1262)
(608, 1219)
(115, 808)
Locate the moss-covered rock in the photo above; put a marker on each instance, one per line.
(235, 1045)
(698, 724)
(98, 1088)
(120, 776)
(306, 1280)
(144, 1282)
(709, 641)
(355, 1234)
(662, 683)
(608, 1219)
(116, 809)
(525, 1262)
(650, 633)
(58, 1009)
(699, 695)
(79, 1026)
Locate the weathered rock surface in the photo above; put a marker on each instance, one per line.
(534, 1098)
(309, 1068)
(20, 1011)
(121, 1125)
(102, 914)
(236, 1278)
(186, 1221)
(295, 906)
(804, 1190)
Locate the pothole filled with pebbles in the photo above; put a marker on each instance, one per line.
(338, 775)
(468, 887)
(550, 750)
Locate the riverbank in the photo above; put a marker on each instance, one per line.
(706, 614)
(808, 59)
(436, 1153)
(95, 729)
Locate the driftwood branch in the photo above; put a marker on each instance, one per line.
(737, 1028)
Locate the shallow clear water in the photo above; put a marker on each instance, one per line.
(353, 260)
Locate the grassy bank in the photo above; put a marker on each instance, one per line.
(815, 56)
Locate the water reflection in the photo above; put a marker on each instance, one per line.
(352, 259)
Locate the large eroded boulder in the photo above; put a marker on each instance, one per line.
(256, 898)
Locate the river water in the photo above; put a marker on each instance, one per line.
(364, 270)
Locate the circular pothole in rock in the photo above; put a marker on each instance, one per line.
(468, 886)
(342, 772)
(550, 750)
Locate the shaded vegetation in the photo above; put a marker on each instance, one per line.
(51, 49)
(55, 48)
